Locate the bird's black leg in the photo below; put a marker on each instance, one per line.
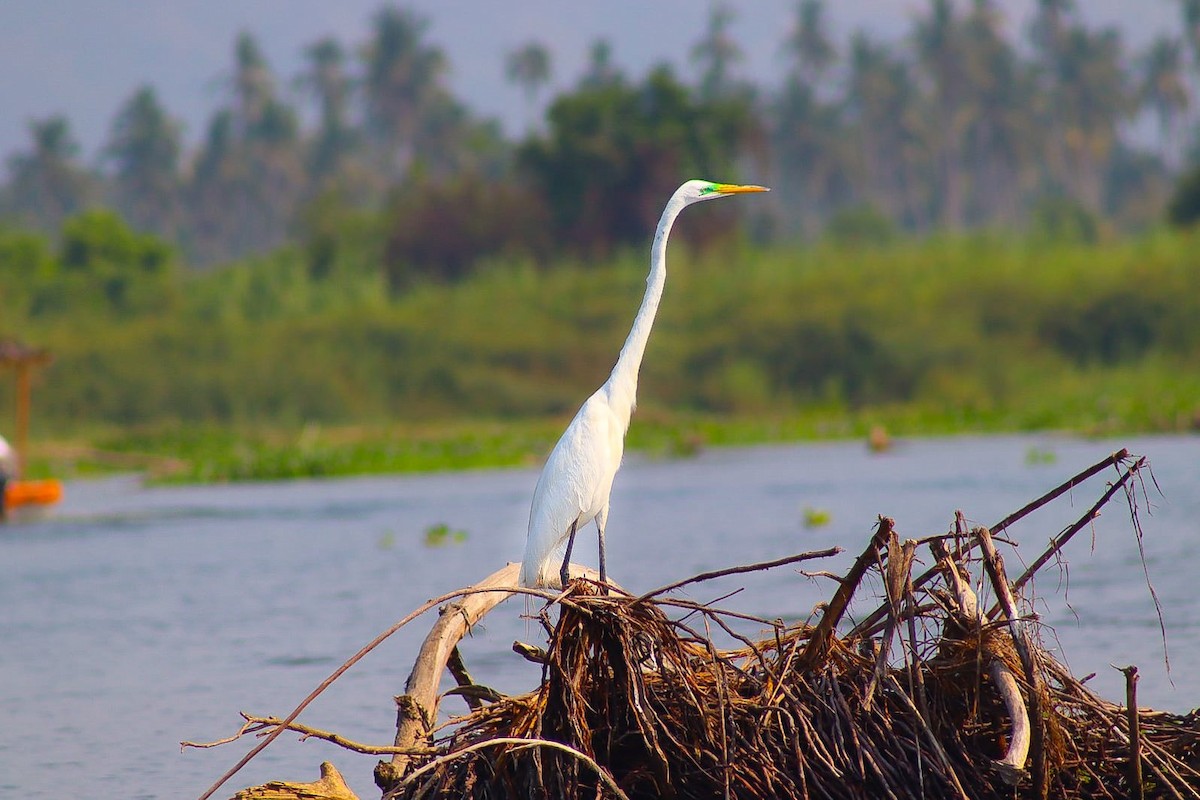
(603, 571)
(563, 574)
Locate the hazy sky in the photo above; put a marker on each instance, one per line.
(85, 58)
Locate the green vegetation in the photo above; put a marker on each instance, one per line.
(440, 535)
(962, 121)
(403, 288)
(264, 370)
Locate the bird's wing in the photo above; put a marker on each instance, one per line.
(574, 484)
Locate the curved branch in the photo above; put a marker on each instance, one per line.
(519, 744)
(354, 659)
(1012, 766)
(417, 707)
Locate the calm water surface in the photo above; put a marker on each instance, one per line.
(134, 618)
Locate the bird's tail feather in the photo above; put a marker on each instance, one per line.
(540, 565)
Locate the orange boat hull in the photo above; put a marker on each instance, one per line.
(25, 493)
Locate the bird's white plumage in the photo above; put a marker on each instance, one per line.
(574, 487)
(577, 479)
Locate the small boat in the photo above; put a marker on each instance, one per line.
(27, 493)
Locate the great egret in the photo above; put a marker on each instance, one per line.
(577, 479)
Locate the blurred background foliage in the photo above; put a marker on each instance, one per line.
(964, 234)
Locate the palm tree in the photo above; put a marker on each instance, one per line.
(1001, 135)
(600, 70)
(1091, 98)
(1164, 88)
(883, 108)
(253, 85)
(1048, 27)
(47, 185)
(403, 78)
(941, 52)
(529, 68)
(249, 176)
(327, 81)
(1190, 12)
(809, 143)
(145, 147)
(808, 136)
(808, 43)
(717, 53)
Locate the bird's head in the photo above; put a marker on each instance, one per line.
(695, 191)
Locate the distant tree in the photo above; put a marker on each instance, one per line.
(940, 49)
(403, 80)
(1184, 209)
(529, 68)
(808, 136)
(1163, 87)
(812, 156)
(47, 185)
(1189, 11)
(449, 141)
(1085, 96)
(144, 148)
(101, 259)
(26, 263)
(716, 54)
(439, 231)
(249, 176)
(600, 70)
(808, 43)
(1000, 139)
(1093, 97)
(327, 81)
(860, 226)
(884, 112)
(612, 153)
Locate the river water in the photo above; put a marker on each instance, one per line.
(133, 618)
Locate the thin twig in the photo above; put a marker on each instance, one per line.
(257, 726)
(928, 575)
(940, 751)
(720, 573)
(1112, 460)
(1080, 524)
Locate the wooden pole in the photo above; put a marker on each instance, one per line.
(21, 435)
(1136, 790)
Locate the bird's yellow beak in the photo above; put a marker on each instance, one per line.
(733, 188)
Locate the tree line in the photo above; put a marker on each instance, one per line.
(957, 125)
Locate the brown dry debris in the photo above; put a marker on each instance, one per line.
(637, 701)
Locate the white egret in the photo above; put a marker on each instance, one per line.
(577, 479)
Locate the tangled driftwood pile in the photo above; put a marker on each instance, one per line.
(931, 695)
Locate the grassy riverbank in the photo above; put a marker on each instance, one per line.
(1096, 405)
(265, 369)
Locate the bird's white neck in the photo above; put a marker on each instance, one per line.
(622, 383)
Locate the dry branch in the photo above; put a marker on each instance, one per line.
(1135, 735)
(637, 701)
(1025, 650)
(331, 786)
(925, 577)
(818, 642)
